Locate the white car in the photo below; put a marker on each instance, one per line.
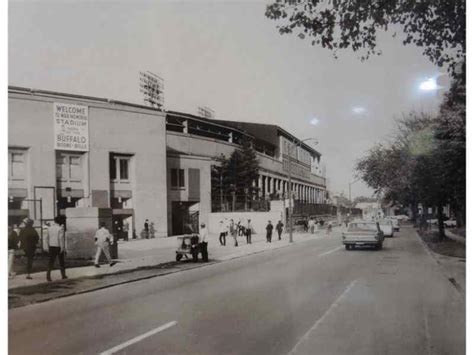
(386, 226)
(450, 223)
(363, 233)
(396, 224)
(402, 217)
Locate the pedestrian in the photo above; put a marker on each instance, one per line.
(56, 244)
(279, 228)
(311, 225)
(239, 228)
(146, 229)
(248, 232)
(233, 232)
(12, 247)
(305, 225)
(28, 240)
(329, 229)
(152, 230)
(269, 231)
(203, 242)
(126, 228)
(222, 232)
(103, 239)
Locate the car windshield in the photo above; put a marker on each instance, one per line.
(362, 226)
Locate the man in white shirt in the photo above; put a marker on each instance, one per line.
(203, 242)
(103, 239)
(56, 243)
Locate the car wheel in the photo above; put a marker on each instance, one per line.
(179, 257)
(348, 247)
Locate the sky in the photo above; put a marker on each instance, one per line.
(228, 56)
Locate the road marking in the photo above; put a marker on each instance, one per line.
(331, 251)
(320, 320)
(139, 338)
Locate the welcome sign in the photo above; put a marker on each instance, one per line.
(71, 127)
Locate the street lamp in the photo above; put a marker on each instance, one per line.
(290, 187)
(350, 184)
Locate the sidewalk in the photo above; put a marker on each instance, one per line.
(453, 267)
(150, 253)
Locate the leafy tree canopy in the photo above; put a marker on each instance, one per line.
(437, 26)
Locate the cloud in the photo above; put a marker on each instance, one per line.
(314, 121)
(359, 110)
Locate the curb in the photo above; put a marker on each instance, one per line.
(443, 270)
(74, 293)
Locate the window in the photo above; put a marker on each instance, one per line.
(16, 164)
(68, 166)
(177, 178)
(119, 167)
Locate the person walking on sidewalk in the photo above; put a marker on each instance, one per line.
(269, 231)
(103, 240)
(152, 230)
(248, 232)
(203, 242)
(28, 240)
(311, 225)
(146, 229)
(222, 232)
(56, 244)
(233, 231)
(279, 228)
(12, 247)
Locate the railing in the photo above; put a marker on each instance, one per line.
(239, 203)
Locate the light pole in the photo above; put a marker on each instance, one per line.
(290, 189)
(350, 184)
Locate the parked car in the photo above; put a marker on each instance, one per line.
(396, 224)
(402, 217)
(386, 226)
(363, 233)
(450, 223)
(433, 221)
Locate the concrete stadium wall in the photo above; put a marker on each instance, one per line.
(113, 128)
(259, 219)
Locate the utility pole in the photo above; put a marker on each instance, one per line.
(221, 193)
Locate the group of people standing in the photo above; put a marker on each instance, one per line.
(55, 239)
(26, 239)
(238, 229)
(148, 230)
(235, 229)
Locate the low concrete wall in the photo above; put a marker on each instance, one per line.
(259, 219)
(82, 223)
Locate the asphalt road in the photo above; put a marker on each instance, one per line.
(311, 298)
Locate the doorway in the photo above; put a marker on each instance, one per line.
(184, 217)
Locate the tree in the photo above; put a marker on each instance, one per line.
(235, 176)
(438, 26)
